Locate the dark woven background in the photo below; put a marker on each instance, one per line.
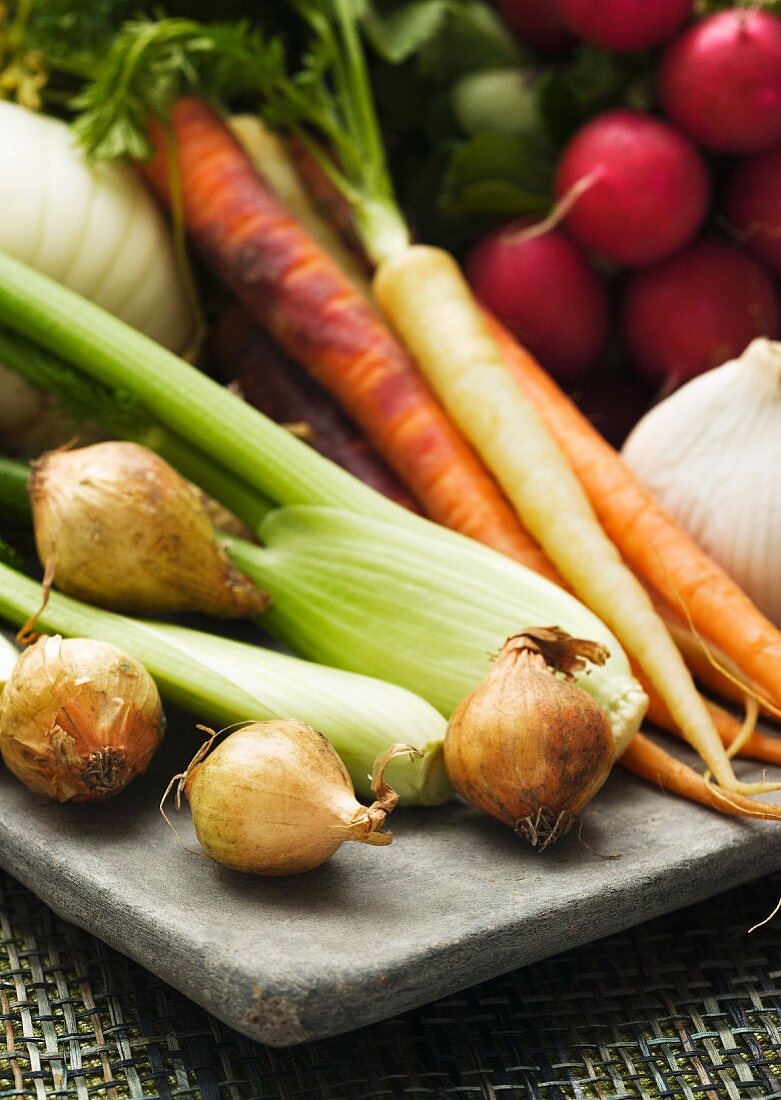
(684, 1006)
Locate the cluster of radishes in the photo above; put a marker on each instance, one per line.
(634, 193)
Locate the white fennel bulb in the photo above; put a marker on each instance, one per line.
(711, 453)
(93, 227)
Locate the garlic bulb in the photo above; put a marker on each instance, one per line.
(711, 453)
(78, 719)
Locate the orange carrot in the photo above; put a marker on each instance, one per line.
(652, 543)
(297, 291)
(733, 687)
(647, 760)
(243, 354)
(759, 746)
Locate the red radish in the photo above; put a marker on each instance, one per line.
(625, 24)
(752, 203)
(538, 23)
(649, 187)
(721, 81)
(544, 291)
(696, 311)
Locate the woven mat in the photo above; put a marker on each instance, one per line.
(685, 1006)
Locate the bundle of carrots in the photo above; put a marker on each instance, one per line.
(298, 292)
(315, 312)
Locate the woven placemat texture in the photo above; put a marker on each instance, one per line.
(687, 1005)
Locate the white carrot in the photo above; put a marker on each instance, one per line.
(424, 295)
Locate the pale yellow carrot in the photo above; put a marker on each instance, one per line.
(422, 292)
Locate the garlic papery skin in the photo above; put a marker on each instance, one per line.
(118, 527)
(711, 454)
(273, 798)
(78, 719)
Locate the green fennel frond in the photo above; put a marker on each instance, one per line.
(74, 34)
(153, 62)
(321, 93)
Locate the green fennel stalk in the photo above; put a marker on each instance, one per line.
(222, 682)
(353, 591)
(124, 415)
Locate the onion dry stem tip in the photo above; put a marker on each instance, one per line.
(273, 798)
(528, 745)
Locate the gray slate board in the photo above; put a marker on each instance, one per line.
(454, 900)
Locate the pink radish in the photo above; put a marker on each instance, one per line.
(538, 23)
(696, 310)
(543, 289)
(752, 203)
(625, 24)
(646, 187)
(721, 81)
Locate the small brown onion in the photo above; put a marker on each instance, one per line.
(274, 798)
(118, 527)
(527, 746)
(78, 719)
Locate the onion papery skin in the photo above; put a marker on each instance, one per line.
(121, 529)
(79, 719)
(529, 748)
(274, 798)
